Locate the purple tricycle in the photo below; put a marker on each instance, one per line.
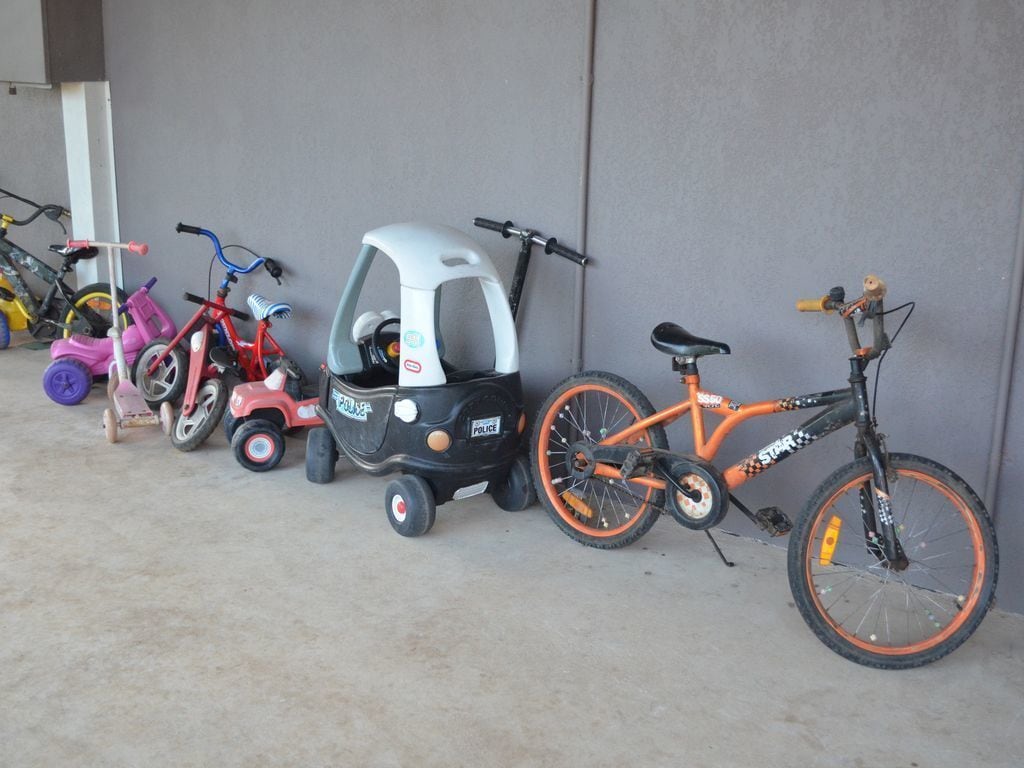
(68, 379)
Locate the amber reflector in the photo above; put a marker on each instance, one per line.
(439, 440)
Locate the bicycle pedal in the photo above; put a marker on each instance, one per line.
(773, 520)
(635, 459)
(225, 359)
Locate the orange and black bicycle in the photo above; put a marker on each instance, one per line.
(893, 560)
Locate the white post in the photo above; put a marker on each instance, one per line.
(89, 144)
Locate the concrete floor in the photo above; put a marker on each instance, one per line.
(161, 608)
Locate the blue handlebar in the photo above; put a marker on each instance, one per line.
(232, 267)
(149, 284)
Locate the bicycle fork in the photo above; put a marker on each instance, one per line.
(880, 534)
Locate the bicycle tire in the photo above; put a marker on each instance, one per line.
(598, 512)
(847, 594)
(189, 432)
(168, 382)
(97, 297)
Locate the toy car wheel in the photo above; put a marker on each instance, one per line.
(321, 455)
(231, 423)
(5, 331)
(166, 417)
(67, 381)
(258, 445)
(410, 505)
(515, 493)
(110, 425)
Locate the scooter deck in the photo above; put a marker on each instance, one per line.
(131, 408)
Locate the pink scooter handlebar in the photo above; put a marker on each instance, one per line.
(140, 248)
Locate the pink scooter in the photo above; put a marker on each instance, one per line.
(78, 359)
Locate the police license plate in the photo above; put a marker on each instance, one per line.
(485, 427)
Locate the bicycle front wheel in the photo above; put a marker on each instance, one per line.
(875, 614)
(597, 511)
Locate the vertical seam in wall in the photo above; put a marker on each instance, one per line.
(1010, 334)
(584, 184)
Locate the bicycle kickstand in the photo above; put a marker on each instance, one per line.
(728, 563)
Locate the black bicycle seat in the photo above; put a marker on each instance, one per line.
(74, 254)
(675, 340)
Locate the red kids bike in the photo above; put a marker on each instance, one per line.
(893, 560)
(162, 371)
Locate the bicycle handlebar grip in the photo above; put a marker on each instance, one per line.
(811, 305)
(140, 248)
(149, 284)
(488, 224)
(78, 243)
(494, 225)
(273, 268)
(552, 246)
(874, 288)
(186, 228)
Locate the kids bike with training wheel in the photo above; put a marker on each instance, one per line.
(60, 311)
(68, 379)
(893, 560)
(163, 371)
(391, 402)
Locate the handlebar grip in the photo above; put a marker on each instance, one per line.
(552, 246)
(140, 248)
(811, 305)
(273, 268)
(186, 228)
(494, 225)
(78, 243)
(874, 288)
(200, 300)
(149, 284)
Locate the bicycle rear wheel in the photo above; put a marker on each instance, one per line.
(597, 511)
(95, 296)
(876, 615)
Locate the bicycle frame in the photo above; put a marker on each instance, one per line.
(842, 407)
(251, 354)
(35, 310)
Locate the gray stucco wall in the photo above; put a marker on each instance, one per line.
(32, 160)
(294, 133)
(743, 155)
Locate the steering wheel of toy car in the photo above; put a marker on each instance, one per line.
(380, 349)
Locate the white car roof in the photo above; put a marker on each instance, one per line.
(430, 254)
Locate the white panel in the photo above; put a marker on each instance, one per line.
(90, 156)
(22, 57)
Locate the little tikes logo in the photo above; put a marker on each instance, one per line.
(412, 366)
(351, 408)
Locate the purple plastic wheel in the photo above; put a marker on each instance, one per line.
(67, 381)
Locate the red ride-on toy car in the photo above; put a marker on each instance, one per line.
(262, 411)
